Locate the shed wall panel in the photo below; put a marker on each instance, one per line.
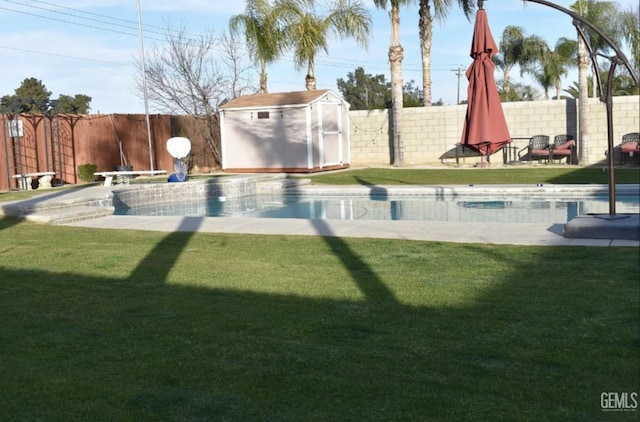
(279, 141)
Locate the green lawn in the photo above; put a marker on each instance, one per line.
(515, 175)
(104, 325)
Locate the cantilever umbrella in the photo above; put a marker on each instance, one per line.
(485, 129)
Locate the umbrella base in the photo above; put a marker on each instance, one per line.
(604, 226)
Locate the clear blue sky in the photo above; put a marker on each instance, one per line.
(90, 46)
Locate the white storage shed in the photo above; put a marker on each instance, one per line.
(292, 132)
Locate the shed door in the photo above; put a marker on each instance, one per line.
(330, 137)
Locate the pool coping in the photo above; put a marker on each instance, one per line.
(60, 207)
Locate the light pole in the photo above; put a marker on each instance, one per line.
(458, 73)
(143, 68)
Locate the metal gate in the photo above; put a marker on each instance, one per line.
(32, 144)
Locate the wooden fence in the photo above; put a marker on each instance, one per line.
(60, 143)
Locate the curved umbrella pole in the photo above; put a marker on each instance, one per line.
(618, 58)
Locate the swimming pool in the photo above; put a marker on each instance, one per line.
(507, 209)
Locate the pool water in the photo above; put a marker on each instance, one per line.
(461, 209)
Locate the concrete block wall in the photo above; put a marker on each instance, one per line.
(369, 137)
(626, 114)
(430, 132)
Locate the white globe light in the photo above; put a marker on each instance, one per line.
(179, 147)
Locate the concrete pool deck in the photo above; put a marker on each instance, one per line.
(57, 205)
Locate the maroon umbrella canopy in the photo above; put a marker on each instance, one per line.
(485, 128)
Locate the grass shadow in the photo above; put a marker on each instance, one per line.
(190, 326)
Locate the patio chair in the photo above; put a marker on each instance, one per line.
(630, 145)
(563, 146)
(538, 148)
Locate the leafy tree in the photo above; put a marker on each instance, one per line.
(365, 91)
(264, 34)
(440, 12)
(29, 97)
(78, 104)
(396, 55)
(33, 97)
(309, 32)
(413, 96)
(525, 92)
(11, 104)
(517, 92)
(368, 92)
(33, 90)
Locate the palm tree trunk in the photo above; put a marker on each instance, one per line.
(396, 54)
(505, 79)
(594, 85)
(263, 77)
(583, 95)
(310, 80)
(426, 36)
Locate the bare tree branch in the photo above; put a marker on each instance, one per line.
(194, 75)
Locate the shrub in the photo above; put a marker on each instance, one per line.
(85, 172)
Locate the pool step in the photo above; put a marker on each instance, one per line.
(66, 215)
(292, 183)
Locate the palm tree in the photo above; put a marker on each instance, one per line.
(396, 55)
(517, 49)
(551, 66)
(308, 32)
(631, 33)
(607, 17)
(440, 11)
(622, 85)
(544, 70)
(561, 58)
(264, 36)
(574, 90)
(602, 15)
(549, 73)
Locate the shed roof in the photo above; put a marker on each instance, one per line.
(275, 99)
